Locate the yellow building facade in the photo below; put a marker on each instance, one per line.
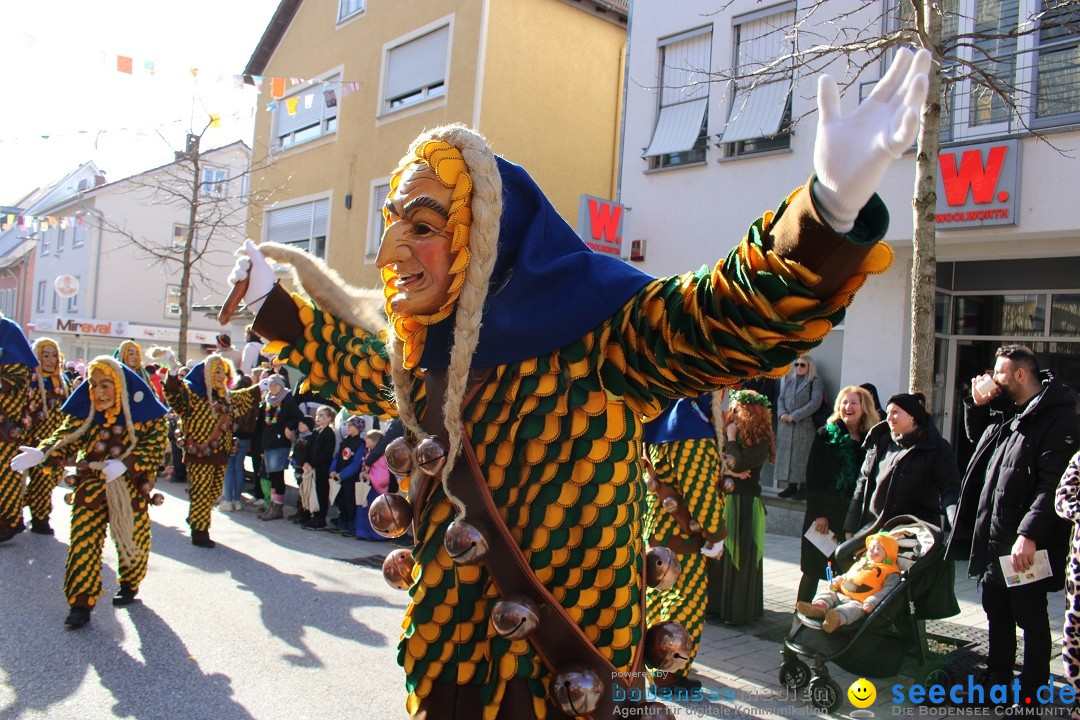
(345, 86)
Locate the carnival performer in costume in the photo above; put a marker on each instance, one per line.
(207, 410)
(130, 354)
(527, 483)
(115, 433)
(684, 513)
(17, 362)
(49, 389)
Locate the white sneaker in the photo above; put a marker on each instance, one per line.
(225, 506)
(238, 505)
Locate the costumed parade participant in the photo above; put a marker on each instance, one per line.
(17, 362)
(207, 411)
(49, 390)
(683, 514)
(115, 434)
(130, 354)
(522, 456)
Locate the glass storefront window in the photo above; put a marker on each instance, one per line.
(1065, 315)
(1000, 315)
(941, 313)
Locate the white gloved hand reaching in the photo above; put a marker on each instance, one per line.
(852, 153)
(28, 458)
(713, 550)
(113, 469)
(250, 263)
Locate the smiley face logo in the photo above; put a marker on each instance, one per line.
(862, 693)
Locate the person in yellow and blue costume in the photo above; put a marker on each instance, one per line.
(684, 512)
(115, 434)
(544, 357)
(17, 364)
(49, 390)
(207, 410)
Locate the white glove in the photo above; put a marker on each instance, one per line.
(852, 153)
(28, 458)
(713, 550)
(250, 262)
(264, 385)
(113, 469)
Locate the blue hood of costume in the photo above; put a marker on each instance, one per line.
(144, 406)
(547, 288)
(683, 419)
(14, 348)
(196, 379)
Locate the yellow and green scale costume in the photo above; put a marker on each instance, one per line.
(45, 417)
(558, 438)
(14, 381)
(206, 450)
(685, 457)
(141, 447)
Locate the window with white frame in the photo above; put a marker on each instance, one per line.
(348, 8)
(307, 114)
(759, 118)
(172, 301)
(7, 301)
(55, 301)
(303, 225)
(61, 232)
(179, 238)
(214, 182)
(1009, 63)
(46, 240)
(680, 136)
(78, 233)
(379, 194)
(40, 304)
(73, 301)
(416, 70)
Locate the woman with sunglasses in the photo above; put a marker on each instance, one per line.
(801, 394)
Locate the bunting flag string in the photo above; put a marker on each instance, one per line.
(37, 223)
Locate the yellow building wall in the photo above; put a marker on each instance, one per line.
(550, 101)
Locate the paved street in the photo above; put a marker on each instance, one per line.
(278, 623)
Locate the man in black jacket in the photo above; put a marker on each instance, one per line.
(1026, 428)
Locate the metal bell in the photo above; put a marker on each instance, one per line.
(399, 457)
(390, 515)
(397, 569)
(71, 480)
(695, 526)
(667, 646)
(117, 429)
(651, 485)
(662, 568)
(670, 504)
(515, 617)
(431, 455)
(115, 451)
(99, 447)
(465, 544)
(157, 499)
(69, 498)
(577, 690)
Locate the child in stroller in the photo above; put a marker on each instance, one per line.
(850, 597)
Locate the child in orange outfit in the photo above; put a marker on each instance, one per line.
(855, 594)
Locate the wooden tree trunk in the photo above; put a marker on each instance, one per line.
(924, 240)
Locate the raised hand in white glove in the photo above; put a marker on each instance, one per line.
(713, 550)
(113, 469)
(852, 153)
(250, 264)
(28, 458)
(264, 385)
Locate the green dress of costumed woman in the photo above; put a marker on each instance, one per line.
(736, 592)
(683, 512)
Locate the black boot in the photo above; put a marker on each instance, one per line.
(41, 527)
(201, 538)
(125, 595)
(789, 491)
(78, 616)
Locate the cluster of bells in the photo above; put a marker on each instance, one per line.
(143, 487)
(14, 432)
(576, 689)
(671, 503)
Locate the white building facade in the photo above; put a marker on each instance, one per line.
(97, 281)
(702, 159)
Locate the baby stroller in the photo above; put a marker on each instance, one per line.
(877, 645)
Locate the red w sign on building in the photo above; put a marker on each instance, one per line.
(978, 185)
(600, 224)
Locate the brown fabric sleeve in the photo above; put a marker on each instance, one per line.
(800, 234)
(278, 318)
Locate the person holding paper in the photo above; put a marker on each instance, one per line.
(1026, 428)
(831, 473)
